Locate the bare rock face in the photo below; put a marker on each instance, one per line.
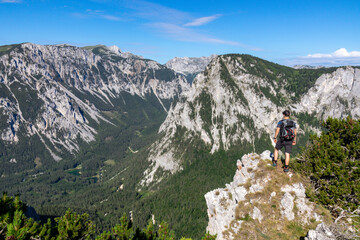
(322, 232)
(335, 94)
(261, 201)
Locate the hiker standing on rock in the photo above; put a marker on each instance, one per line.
(286, 130)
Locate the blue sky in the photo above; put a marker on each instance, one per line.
(316, 32)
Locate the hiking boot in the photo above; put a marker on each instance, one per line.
(286, 169)
(274, 163)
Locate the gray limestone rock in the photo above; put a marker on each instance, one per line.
(287, 205)
(322, 232)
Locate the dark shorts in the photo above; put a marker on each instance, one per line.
(287, 144)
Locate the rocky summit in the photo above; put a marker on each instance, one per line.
(263, 202)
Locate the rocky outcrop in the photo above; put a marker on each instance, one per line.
(322, 232)
(261, 201)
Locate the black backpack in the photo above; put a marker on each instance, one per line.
(287, 129)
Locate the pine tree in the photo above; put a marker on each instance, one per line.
(331, 161)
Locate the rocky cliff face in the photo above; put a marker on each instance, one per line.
(335, 94)
(262, 201)
(59, 92)
(238, 99)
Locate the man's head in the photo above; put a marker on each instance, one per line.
(286, 113)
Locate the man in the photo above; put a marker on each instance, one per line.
(286, 130)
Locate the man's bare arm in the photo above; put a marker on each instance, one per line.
(276, 133)
(294, 141)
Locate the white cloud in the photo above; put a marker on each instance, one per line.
(10, 1)
(110, 17)
(177, 24)
(202, 21)
(156, 12)
(184, 34)
(340, 53)
(97, 14)
(340, 57)
(169, 22)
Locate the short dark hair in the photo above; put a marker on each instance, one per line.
(286, 113)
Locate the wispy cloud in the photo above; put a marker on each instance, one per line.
(97, 14)
(176, 24)
(202, 21)
(338, 58)
(10, 1)
(184, 34)
(169, 22)
(156, 12)
(110, 17)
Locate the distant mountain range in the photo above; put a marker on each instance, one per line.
(107, 132)
(307, 67)
(189, 66)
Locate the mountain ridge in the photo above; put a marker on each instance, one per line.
(235, 95)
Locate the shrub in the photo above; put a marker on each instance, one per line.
(331, 160)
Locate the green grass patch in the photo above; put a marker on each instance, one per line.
(246, 218)
(114, 115)
(75, 172)
(296, 229)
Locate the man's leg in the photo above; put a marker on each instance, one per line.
(288, 148)
(287, 159)
(276, 154)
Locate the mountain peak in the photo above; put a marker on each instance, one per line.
(115, 49)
